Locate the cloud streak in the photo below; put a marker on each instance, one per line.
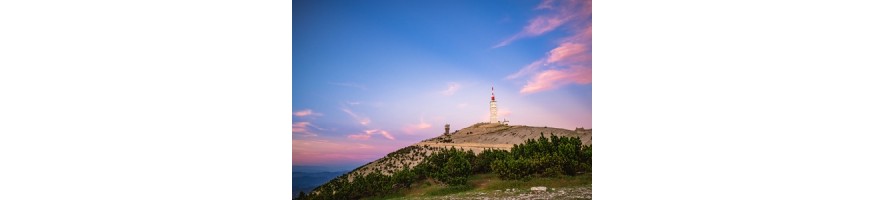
(451, 89)
(359, 119)
(567, 11)
(306, 112)
(301, 128)
(368, 134)
(412, 128)
(554, 78)
(528, 69)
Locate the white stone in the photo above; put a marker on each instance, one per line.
(539, 188)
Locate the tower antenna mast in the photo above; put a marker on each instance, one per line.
(493, 108)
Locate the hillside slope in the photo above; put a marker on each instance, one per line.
(474, 138)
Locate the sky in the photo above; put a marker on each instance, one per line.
(370, 77)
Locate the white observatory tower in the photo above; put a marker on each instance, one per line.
(493, 106)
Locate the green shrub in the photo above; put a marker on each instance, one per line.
(545, 157)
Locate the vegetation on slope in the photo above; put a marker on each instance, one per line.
(544, 157)
(452, 167)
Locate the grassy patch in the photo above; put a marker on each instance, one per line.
(495, 183)
(431, 188)
(389, 196)
(449, 190)
(421, 187)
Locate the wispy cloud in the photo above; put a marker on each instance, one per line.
(348, 84)
(562, 12)
(546, 4)
(568, 63)
(528, 69)
(368, 134)
(359, 136)
(412, 128)
(306, 112)
(301, 128)
(451, 89)
(569, 53)
(543, 24)
(555, 78)
(359, 119)
(536, 26)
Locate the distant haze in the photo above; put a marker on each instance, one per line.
(324, 168)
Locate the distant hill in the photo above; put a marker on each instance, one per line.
(307, 181)
(325, 168)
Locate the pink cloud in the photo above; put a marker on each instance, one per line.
(553, 78)
(544, 24)
(585, 35)
(306, 112)
(359, 137)
(536, 26)
(563, 12)
(412, 128)
(566, 64)
(368, 134)
(569, 52)
(301, 128)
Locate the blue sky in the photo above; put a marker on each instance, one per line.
(370, 77)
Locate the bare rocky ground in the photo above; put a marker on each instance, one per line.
(485, 133)
(520, 194)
